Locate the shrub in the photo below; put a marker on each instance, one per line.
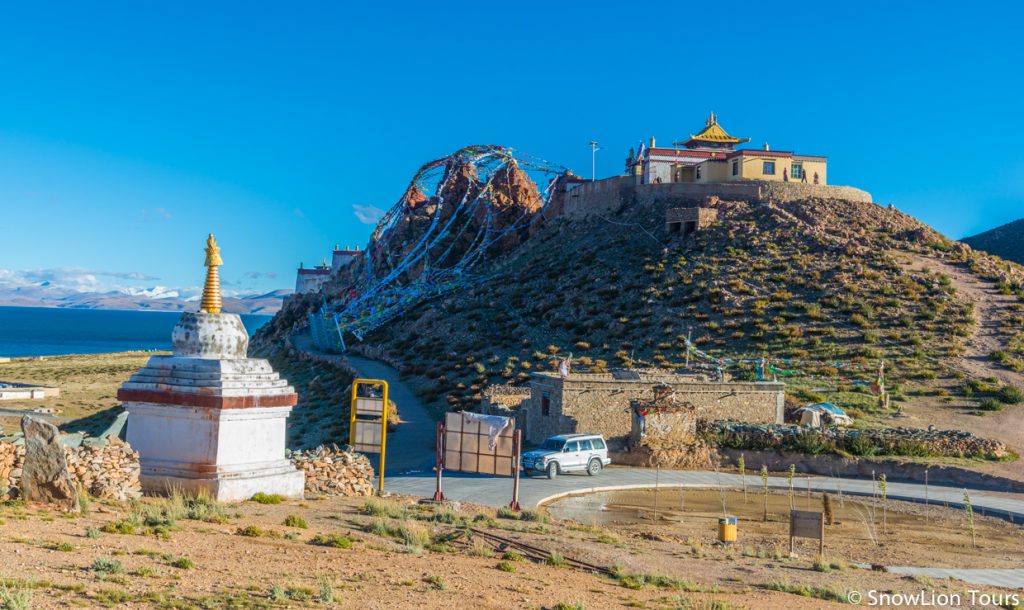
(1011, 395)
(295, 521)
(505, 566)
(183, 563)
(990, 404)
(337, 541)
(107, 566)
(251, 531)
(265, 498)
(436, 582)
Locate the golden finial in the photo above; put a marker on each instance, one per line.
(211, 291)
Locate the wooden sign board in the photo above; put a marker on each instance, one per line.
(369, 406)
(807, 524)
(366, 436)
(467, 447)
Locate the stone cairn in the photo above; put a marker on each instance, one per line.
(110, 472)
(331, 471)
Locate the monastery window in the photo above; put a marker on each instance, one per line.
(769, 168)
(735, 168)
(545, 406)
(798, 171)
(698, 172)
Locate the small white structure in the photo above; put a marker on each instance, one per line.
(310, 280)
(210, 418)
(342, 258)
(22, 391)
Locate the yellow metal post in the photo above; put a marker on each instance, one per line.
(383, 422)
(383, 439)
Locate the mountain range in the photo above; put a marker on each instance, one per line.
(156, 299)
(1006, 241)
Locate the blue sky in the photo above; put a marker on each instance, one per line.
(129, 130)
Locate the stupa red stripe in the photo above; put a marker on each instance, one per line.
(206, 400)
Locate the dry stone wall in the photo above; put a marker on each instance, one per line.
(334, 472)
(110, 472)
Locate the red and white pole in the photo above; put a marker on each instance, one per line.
(515, 472)
(438, 494)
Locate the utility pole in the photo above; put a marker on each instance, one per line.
(593, 159)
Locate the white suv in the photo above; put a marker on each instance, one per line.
(568, 453)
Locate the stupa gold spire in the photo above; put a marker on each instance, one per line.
(211, 291)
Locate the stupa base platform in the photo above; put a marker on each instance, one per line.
(225, 485)
(231, 453)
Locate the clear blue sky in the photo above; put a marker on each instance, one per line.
(130, 129)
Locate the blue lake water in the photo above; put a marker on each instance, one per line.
(37, 331)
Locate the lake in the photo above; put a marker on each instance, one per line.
(39, 331)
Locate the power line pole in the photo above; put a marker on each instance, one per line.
(593, 159)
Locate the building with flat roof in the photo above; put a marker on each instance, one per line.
(711, 156)
(310, 280)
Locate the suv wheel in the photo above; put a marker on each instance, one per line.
(594, 467)
(552, 470)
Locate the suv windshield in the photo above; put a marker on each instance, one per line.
(552, 444)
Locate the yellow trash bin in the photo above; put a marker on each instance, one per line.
(727, 530)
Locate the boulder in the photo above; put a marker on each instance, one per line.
(45, 477)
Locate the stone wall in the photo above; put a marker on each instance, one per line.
(600, 403)
(506, 401)
(333, 472)
(608, 195)
(110, 472)
(894, 470)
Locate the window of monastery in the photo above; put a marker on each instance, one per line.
(545, 406)
(798, 170)
(698, 172)
(769, 168)
(735, 168)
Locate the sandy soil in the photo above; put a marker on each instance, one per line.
(52, 557)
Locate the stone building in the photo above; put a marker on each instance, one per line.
(686, 221)
(342, 258)
(310, 280)
(600, 403)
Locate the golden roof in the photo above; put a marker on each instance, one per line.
(712, 133)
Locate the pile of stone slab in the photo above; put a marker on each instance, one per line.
(884, 441)
(331, 471)
(109, 470)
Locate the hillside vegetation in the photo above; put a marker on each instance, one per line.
(811, 280)
(1006, 241)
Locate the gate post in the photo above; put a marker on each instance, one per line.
(438, 494)
(515, 472)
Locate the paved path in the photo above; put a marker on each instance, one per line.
(413, 446)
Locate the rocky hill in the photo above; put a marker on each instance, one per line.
(814, 280)
(1006, 241)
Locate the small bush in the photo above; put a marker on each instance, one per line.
(107, 566)
(92, 532)
(295, 521)
(436, 582)
(990, 404)
(1010, 395)
(183, 563)
(251, 531)
(264, 498)
(337, 541)
(505, 566)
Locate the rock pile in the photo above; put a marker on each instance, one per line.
(107, 472)
(335, 472)
(110, 472)
(915, 442)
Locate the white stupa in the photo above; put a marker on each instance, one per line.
(208, 417)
